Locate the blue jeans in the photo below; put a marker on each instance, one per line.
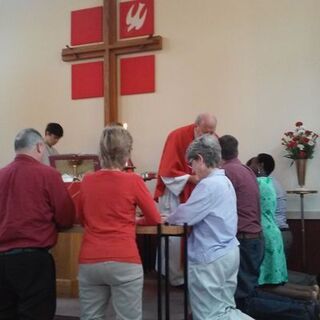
(251, 256)
(263, 305)
(267, 306)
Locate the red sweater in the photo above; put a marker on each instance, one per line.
(107, 210)
(34, 202)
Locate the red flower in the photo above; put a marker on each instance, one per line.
(292, 144)
(300, 143)
(302, 155)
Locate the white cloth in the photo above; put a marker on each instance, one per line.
(212, 287)
(167, 204)
(169, 201)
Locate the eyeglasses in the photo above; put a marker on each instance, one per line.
(190, 163)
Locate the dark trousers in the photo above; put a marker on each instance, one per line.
(265, 306)
(262, 305)
(251, 256)
(27, 286)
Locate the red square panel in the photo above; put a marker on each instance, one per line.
(86, 26)
(137, 75)
(136, 18)
(87, 80)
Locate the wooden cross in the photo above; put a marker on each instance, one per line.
(109, 50)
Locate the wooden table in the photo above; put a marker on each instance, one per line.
(160, 231)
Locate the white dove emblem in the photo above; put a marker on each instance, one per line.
(135, 22)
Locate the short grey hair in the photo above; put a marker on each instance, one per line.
(198, 119)
(204, 117)
(115, 147)
(26, 139)
(208, 147)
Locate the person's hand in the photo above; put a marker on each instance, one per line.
(194, 179)
(146, 176)
(163, 218)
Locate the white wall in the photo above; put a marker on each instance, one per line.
(255, 64)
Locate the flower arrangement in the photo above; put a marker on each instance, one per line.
(299, 143)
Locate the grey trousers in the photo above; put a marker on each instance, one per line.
(122, 282)
(212, 287)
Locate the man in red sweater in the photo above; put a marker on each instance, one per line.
(176, 180)
(34, 203)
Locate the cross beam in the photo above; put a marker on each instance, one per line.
(121, 47)
(109, 50)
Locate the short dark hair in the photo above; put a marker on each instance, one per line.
(54, 128)
(268, 162)
(229, 147)
(248, 163)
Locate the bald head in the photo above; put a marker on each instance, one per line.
(205, 123)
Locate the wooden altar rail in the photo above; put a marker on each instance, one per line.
(145, 230)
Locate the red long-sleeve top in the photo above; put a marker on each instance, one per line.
(34, 202)
(107, 210)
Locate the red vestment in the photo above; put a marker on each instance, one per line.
(173, 161)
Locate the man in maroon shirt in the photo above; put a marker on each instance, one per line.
(34, 204)
(249, 228)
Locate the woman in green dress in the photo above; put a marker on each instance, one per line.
(273, 270)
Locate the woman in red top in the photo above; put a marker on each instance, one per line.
(110, 265)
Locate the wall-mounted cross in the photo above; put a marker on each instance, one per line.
(110, 49)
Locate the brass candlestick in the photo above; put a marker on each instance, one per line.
(75, 162)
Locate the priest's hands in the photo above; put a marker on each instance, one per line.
(193, 179)
(146, 176)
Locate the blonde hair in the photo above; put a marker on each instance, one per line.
(115, 147)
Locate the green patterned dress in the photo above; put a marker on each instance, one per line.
(273, 269)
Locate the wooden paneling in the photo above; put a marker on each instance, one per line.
(66, 254)
(312, 232)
